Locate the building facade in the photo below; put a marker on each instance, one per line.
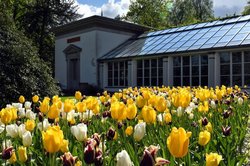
(112, 54)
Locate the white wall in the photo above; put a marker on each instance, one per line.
(95, 43)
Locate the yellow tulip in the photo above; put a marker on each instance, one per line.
(30, 125)
(204, 138)
(93, 104)
(148, 114)
(68, 105)
(44, 105)
(129, 130)
(209, 127)
(21, 99)
(102, 99)
(22, 154)
(131, 111)
(178, 142)
(52, 139)
(54, 111)
(35, 99)
(118, 111)
(140, 101)
(64, 147)
(13, 112)
(78, 95)
(182, 98)
(168, 118)
(6, 116)
(213, 159)
(81, 106)
(161, 104)
(13, 158)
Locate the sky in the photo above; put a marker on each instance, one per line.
(112, 8)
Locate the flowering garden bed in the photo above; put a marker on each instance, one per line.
(146, 126)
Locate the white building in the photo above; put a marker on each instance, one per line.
(112, 54)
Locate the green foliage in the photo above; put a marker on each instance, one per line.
(22, 72)
(185, 12)
(41, 16)
(246, 10)
(151, 13)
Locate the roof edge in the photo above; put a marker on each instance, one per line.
(99, 21)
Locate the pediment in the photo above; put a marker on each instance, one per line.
(72, 49)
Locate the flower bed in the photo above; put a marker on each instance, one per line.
(136, 126)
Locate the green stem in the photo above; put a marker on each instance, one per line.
(5, 140)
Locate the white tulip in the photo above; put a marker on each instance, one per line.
(12, 130)
(123, 159)
(86, 115)
(21, 130)
(213, 105)
(1, 127)
(17, 105)
(27, 139)
(8, 143)
(139, 131)
(43, 126)
(159, 118)
(194, 100)
(168, 103)
(79, 131)
(173, 112)
(240, 101)
(191, 116)
(21, 112)
(30, 114)
(179, 111)
(27, 105)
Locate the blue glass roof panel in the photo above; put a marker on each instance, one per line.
(221, 33)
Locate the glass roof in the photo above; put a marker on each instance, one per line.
(216, 34)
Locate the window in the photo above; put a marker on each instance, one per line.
(235, 68)
(149, 72)
(247, 68)
(118, 73)
(190, 70)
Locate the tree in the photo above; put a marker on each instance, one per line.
(41, 16)
(246, 10)
(22, 72)
(185, 12)
(203, 9)
(152, 13)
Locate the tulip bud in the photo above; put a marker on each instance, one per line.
(204, 121)
(179, 111)
(110, 134)
(6, 154)
(123, 159)
(96, 137)
(226, 130)
(79, 131)
(98, 158)
(226, 114)
(40, 116)
(22, 154)
(12, 130)
(240, 101)
(139, 131)
(194, 124)
(147, 159)
(89, 154)
(119, 125)
(161, 161)
(27, 139)
(68, 159)
(106, 114)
